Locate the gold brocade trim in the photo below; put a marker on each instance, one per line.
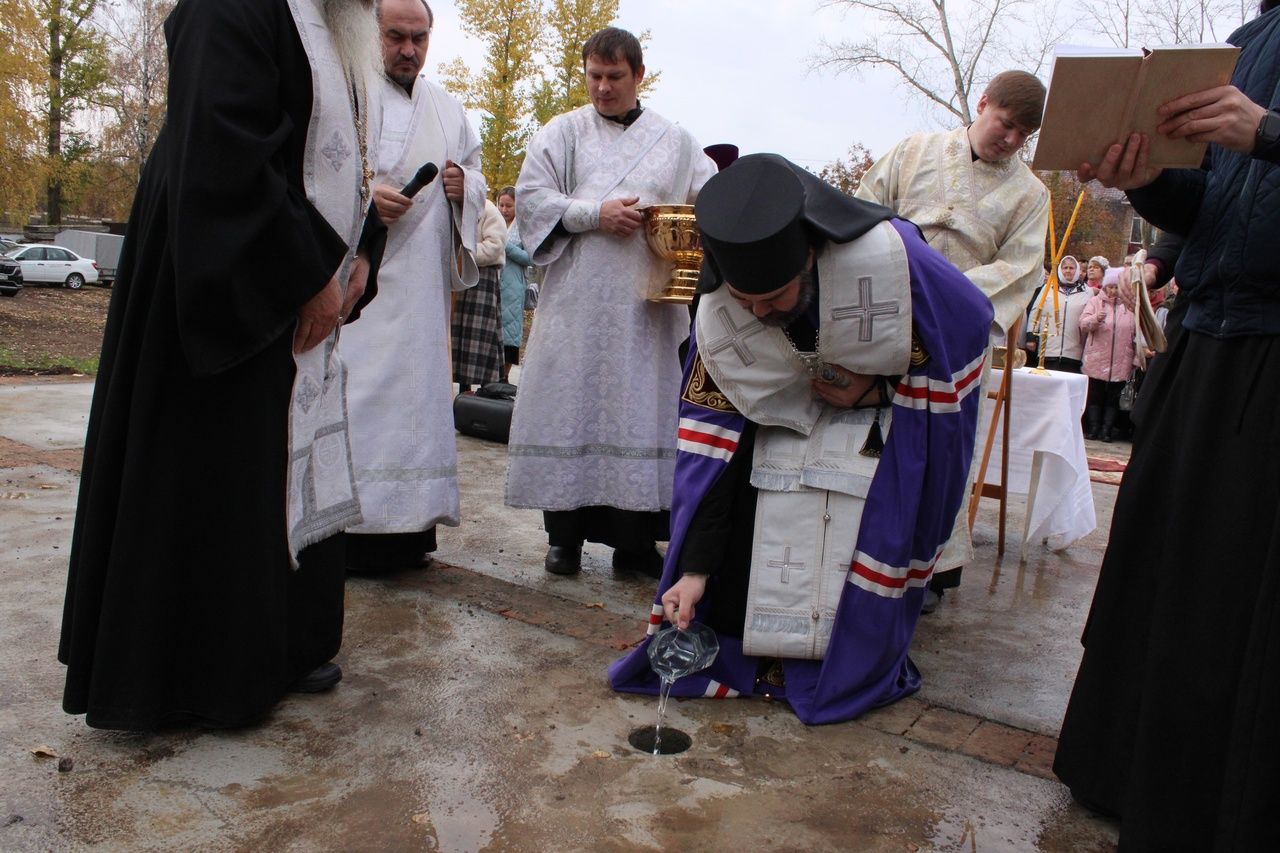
(919, 355)
(702, 391)
(362, 139)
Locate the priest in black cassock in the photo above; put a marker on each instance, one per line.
(204, 581)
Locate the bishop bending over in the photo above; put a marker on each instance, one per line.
(827, 419)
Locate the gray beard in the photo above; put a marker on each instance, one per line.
(353, 28)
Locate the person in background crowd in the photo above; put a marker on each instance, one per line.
(1108, 355)
(1063, 350)
(477, 314)
(1094, 270)
(514, 284)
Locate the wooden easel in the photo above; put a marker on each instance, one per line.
(999, 415)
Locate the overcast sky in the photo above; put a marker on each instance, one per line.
(738, 71)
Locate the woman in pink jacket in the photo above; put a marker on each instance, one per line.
(1108, 355)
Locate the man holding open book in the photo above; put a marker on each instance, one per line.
(1171, 721)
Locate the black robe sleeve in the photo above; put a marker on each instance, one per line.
(248, 248)
(718, 541)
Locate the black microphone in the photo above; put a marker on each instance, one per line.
(425, 175)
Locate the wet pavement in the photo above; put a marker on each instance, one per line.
(474, 712)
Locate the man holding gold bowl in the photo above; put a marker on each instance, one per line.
(594, 429)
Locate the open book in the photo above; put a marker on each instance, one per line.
(1097, 97)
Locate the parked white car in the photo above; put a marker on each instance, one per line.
(45, 264)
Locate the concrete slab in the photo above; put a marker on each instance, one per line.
(47, 416)
(474, 713)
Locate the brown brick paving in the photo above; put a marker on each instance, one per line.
(996, 744)
(897, 718)
(943, 728)
(1037, 758)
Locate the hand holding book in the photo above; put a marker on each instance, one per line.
(1123, 167)
(1223, 115)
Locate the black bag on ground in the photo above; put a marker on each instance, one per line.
(485, 413)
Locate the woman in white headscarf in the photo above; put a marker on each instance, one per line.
(1064, 345)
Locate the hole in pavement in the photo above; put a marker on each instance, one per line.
(673, 740)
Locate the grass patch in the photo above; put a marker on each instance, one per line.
(14, 362)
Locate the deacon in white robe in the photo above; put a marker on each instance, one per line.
(400, 387)
(594, 428)
(980, 206)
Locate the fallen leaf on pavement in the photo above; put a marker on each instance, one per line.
(595, 605)
(44, 751)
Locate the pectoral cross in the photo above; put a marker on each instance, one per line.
(786, 565)
(865, 310)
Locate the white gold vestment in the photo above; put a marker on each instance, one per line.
(988, 219)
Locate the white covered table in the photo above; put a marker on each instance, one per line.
(1047, 462)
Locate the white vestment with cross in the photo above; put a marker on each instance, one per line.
(812, 478)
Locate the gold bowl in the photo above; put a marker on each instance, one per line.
(672, 234)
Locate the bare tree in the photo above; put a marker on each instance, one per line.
(939, 51)
(1128, 23)
(1119, 20)
(135, 93)
(1186, 21)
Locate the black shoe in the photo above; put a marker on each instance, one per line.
(647, 563)
(563, 560)
(1091, 805)
(324, 677)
